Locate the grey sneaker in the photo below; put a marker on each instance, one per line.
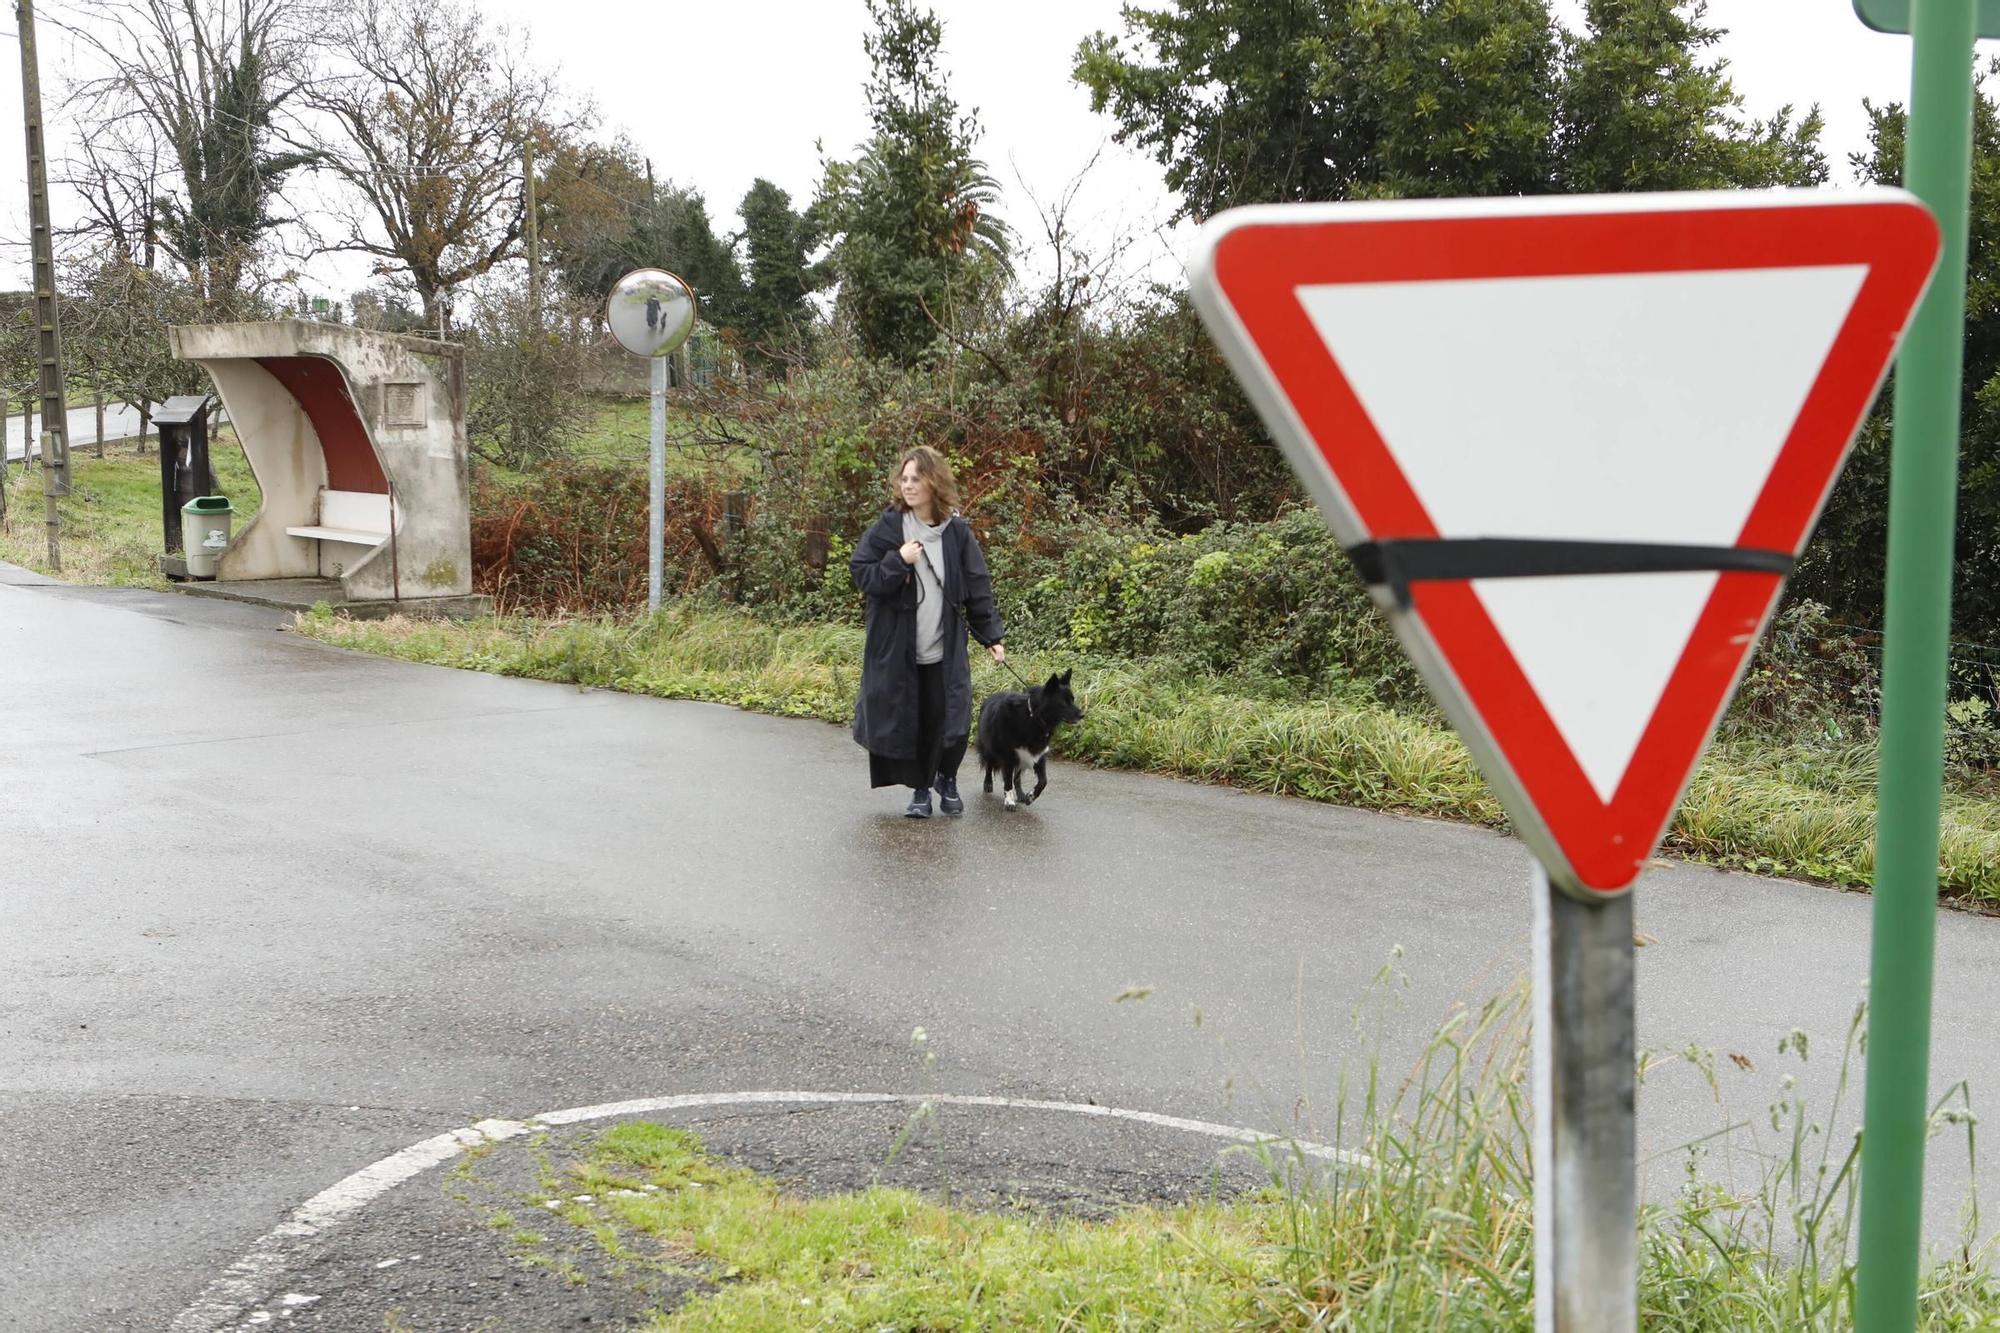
(947, 790)
(920, 804)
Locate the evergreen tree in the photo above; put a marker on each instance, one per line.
(1640, 111)
(675, 234)
(1248, 102)
(776, 313)
(1843, 565)
(917, 239)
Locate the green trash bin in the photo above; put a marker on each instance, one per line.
(205, 533)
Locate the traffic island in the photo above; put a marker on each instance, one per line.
(701, 1215)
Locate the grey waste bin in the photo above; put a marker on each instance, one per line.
(205, 529)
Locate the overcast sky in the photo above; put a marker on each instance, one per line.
(718, 95)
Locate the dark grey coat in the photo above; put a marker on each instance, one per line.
(885, 715)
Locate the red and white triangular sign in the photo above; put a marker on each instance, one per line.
(1583, 436)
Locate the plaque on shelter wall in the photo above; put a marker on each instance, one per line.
(403, 405)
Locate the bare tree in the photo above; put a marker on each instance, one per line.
(428, 116)
(198, 83)
(525, 369)
(119, 181)
(115, 320)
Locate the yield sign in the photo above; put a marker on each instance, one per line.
(1574, 446)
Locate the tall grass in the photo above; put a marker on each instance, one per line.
(1779, 1253)
(1430, 1224)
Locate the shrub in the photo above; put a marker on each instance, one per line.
(571, 537)
(524, 376)
(815, 452)
(1274, 602)
(1809, 677)
(1149, 407)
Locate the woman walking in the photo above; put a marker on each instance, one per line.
(927, 586)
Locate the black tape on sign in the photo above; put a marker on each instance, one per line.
(1400, 562)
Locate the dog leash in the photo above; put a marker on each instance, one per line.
(1026, 689)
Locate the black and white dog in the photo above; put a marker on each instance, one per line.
(1015, 730)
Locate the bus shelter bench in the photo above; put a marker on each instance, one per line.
(359, 518)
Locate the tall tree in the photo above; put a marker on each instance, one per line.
(1244, 101)
(200, 84)
(117, 178)
(776, 311)
(603, 215)
(428, 114)
(675, 233)
(589, 196)
(1843, 564)
(1642, 111)
(916, 234)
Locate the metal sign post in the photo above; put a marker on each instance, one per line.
(656, 474)
(651, 313)
(1916, 635)
(1586, 1178)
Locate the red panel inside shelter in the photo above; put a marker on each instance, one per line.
(321, 390)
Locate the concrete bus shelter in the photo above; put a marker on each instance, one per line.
(359, 447)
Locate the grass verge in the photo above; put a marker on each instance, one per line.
(1788, 810)
(1427, 1224)
(110, 521)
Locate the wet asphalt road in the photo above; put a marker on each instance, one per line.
(121, 422)
(273, 911)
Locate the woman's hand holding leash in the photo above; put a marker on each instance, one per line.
(999, 651)
(910, 551)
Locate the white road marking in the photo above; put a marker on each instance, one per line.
(250, 1279)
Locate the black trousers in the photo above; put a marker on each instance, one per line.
(934, 758)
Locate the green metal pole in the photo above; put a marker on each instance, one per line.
(1923, 482)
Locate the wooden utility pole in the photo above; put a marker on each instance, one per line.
(55, 412)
